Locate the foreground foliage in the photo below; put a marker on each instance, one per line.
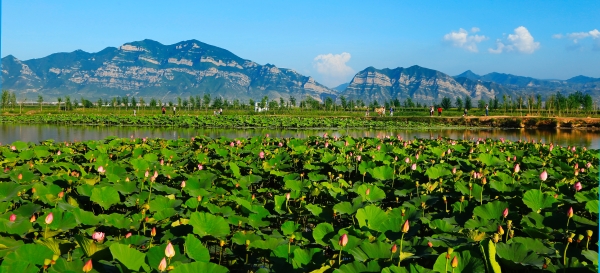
(320, 204)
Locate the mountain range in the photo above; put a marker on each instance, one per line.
(190, 68)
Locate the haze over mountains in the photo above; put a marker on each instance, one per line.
(150, 69)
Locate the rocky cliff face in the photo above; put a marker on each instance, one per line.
(418, 83)
(149, 69)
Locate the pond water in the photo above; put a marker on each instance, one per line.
(38, 132)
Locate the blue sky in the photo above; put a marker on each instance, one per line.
(329, 40)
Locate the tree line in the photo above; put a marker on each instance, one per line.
(555, 104)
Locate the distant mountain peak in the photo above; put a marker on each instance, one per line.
(469, 75)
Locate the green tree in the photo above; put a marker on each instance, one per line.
(293, 101)
(68, 105)
(178, 101)
(468, 103)
(59, 101)
(126, 102)
(344, 102)
(252, 103)
(264, 101)
(142, 102)
(446, 103)
(133, 102)
(40, 100)
(206, 101)
(153, 102)
(459, 103)
(99, 103)
(481, 104)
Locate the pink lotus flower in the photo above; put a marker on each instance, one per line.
(551, 147)
(58, 153)
(261, 155)
(20, 176)
(98, 236)
(429, 244)
(146, 174)
(358, 157)
(280, 144)
(417, 156)
(287, 196)
(155, 174)
(61, 194)
(588, 165)
(515, 158)
(32, 219)
(570, 212)
(394, 248)
(231, 144)
(368, 192)
(517, 168)
(101, 170)
(346, 143)
(573, 149)
(413, 167)
(378, 147)
(407, 160)
(49, 218)
(454, 170)
(12, 218)
(13, 148)
(343, 240)
(505, 213)
(238, 142)
(326, 144)
(170, 251)
(544, 175)
(576, 166)
(199, 167)
(162, 162)
(128, 235)
(162, 266)
(183, 184)
(577, 186)
(267, 135)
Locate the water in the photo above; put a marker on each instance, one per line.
(39, 132)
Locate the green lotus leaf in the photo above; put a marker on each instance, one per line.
(467, 262)
(382, 173)
(303, 257)
(240, 238)
(489, 160)
(491, 211)
(591, 255)
(412, 268)
(371, 217)
(30, 253)
(200, 267)
(365, 166)
(297, 185)
(316, 210)
(359, 267)
(367, 250)
(8, 245)
(195, 249)
(518, 254)
(536, 246)
(19, 227)
(131, 258)
(161, 202)
(442, 226)
(536, 200)
(289, 227)
(353, 242)
(247, 180)
(206, 224)
(437, 171)
(105, 196)
(235, 169)
(375, 193)
(592, 206)
(323, 233)
(268, 244)
(64, 266)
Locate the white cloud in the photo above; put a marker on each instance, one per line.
(475, 29)
(521, 41)
(557, 36)
(333, 67)
(576, 37)
(594, 33)
(462, 39)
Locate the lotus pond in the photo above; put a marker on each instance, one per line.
(317, 204)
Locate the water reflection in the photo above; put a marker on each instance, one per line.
(39, 132)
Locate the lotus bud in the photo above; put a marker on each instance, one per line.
(403, 211)
(199, 198)
(247, 243)
(170, 251)
(101, 169)
(509, 224)
(589, 233)
(88, 266)
(394, 248)
(517, 168)
(368, 192)
(444, 198)
(153, 231)
(261, 155)
(128, 235)
(579, 238)
(462, 198)
(429, 244)
(455, 262)
(576, 172)
(162, 162)
(58, 153)
(20, 176)
(343, 240)
(49, 218)
(287, 196)
(496, 237)
(61, 194)
(511, 233)
(12, 218)
(505, 213)
(221, 243)
(544, 175)
(577, 186)
(127, 179)
(146, 174)
(200, 167)
(32, 219)
(500, 230)
(407, 160)
(454, 170)
(484, 181)
(570, 212)
(183, 184)
(162, 266)
(413, 167)
(405, 227)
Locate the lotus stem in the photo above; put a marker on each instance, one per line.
(568, 219)
(565, 255)
(340, 256)
(400, 253)
(220, 255)
(46, 231)
(446, 264)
